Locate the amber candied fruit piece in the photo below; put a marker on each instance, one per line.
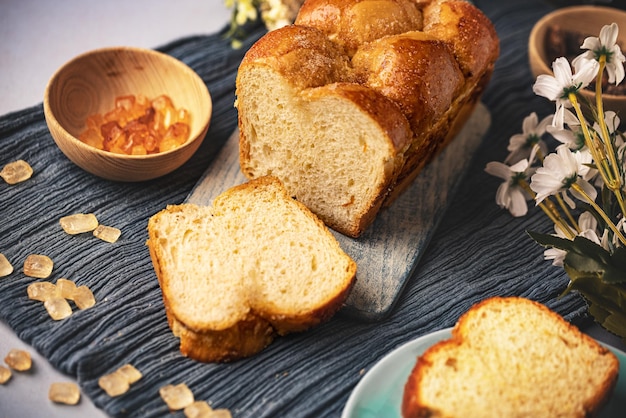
(6, 267)
(58, 308)
(83, 297)
(198, 409)
(16, 172)
(79, 223)
(107, 233)
(64, 392)
(18, 360)
(41, 291)
(5, 374)
(176, 396)
(38, 266)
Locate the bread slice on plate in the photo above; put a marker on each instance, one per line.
(511, 357)
(255, 264)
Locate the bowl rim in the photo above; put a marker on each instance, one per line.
(533, 38)
(205, 118)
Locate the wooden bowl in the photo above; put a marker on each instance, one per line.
(587, 20)
(89, 84)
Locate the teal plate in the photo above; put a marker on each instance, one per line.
(379, 393)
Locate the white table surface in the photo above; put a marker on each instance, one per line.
(36, 38)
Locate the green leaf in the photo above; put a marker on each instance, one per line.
(586, 258)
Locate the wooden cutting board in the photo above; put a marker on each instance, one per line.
(388, 252)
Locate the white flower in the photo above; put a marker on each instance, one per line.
(558, 87)
(605, 44)
(510, 194)
(520, 145)
(588, 228)
(245, 10)
(612, 122)
(573, 135)
(559, 172)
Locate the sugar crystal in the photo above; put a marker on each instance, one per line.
(5, 266)
(66, 288)
(198, 409)
(58, 308)
(114, 384)
(64, 392)
(41, 291)
(131, 374)
(221, 413)
(38, 266)
(5, 374)
(107, 233)
(16, 172)
(79, 223)
(18, 360)
(83, 297)
(176, 396)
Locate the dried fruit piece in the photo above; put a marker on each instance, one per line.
(118, 382)
(16, 172)
(5, 266)
(79, 223)
(198, 409)
(18, 360)
(176, 396)
(64, 392)
(5, 374)
(38, 266)
(58, 308)
(107, 233)
(41, 291)
(66, 288)
(83, 297)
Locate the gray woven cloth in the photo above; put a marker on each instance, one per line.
(478, 251)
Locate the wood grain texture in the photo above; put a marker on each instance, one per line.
(388, 252)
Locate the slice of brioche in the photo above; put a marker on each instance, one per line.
(255, 264)
(511, 357)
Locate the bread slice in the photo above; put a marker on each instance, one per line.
(511, 357)
(255, 264)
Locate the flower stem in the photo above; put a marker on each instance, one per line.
(608, 168)
(599, 210)
(569, 215)
(548, 207)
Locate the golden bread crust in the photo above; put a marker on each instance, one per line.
(432, 59)
(179, 230)
(542, 340)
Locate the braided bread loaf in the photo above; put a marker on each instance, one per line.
(347, 105)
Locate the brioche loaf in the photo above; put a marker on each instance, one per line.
(511, 357)
(347, 105)
(255, 264)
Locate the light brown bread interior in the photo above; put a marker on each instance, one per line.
(511, 357)
(255, 264)
(351, 102)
